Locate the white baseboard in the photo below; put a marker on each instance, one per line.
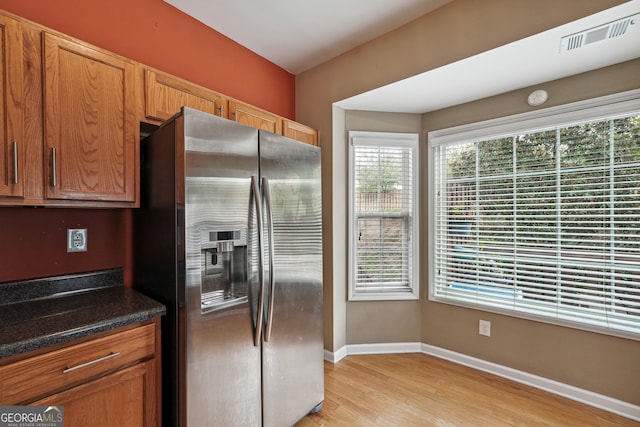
(587, 397)
(384, 348)
(335, 357)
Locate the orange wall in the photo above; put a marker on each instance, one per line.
(33, 241)
(157, 34)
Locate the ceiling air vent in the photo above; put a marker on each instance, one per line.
(607, 31)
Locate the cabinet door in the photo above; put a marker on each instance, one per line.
(254, 117)
(90, 128)
(165, 95)
(299, 132)
(124, 398)
(12, 148)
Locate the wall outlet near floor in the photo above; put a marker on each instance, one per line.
(485, 328)
(76, 240)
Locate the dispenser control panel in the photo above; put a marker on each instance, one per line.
(223, 268)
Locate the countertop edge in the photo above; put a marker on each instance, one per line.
(140, 309)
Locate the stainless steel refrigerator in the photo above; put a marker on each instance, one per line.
(229, 238)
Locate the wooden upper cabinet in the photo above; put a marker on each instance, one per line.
(254, 117)
(299, 132)
(12, 144)
(70, 118)
(164, 95)
(90, 127)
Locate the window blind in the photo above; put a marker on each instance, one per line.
(382, 205)
(544, 222)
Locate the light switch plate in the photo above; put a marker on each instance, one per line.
(76, 240)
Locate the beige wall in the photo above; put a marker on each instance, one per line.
(591, 361)
(369, 322)
(455, 31)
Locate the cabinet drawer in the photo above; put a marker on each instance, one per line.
(38, 376)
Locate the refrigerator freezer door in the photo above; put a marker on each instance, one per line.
(222, 363)
(292, 359)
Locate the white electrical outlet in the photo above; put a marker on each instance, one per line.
(76, 240)
(485, 328)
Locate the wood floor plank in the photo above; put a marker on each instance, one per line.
(415, 389)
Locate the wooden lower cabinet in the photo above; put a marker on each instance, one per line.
(112, 380)
(124, 398)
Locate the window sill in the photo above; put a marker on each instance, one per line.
(564, 322)
(389, 296)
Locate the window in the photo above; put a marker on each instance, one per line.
(539, 215)
(382, 211)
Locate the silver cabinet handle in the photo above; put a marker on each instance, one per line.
(259, 315)
(15, 162)
(267, 200)
(54, 178)
(93, 362)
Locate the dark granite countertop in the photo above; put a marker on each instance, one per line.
(39, 313)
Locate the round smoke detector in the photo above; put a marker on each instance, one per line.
(537, 97)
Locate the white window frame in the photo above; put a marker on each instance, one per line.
(386, 139)
(583, 111)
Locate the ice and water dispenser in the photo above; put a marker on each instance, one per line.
(223, 269)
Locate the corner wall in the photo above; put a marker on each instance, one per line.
(369, 322)
(453, 32)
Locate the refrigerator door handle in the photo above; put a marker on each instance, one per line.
(260, 310)
(267, 199)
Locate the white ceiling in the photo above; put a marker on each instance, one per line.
(523, 63)
(300, 34)
(297, 35)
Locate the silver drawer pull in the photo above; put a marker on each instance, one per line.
(15, 162)
(54, 166)
(84, 365)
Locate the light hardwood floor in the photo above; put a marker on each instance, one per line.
(419, 390)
